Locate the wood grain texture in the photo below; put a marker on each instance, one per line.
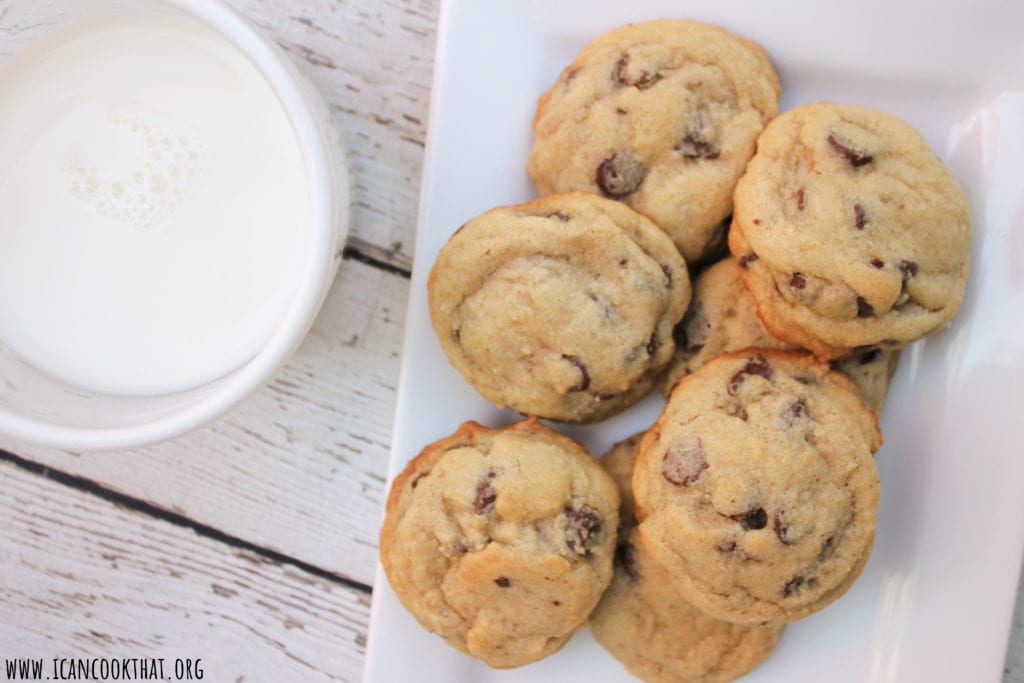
(373, 62)
(83, 578)
(299, 468)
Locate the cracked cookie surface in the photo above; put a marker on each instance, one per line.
(501, 540)
(562, 307)
(756, 488)
(722, 317)
(851, 231)
(661, 115)
(644, 621)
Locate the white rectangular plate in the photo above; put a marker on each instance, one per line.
(935, 601)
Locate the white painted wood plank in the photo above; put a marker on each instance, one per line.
(85, 578)
(299, 467)
(264, 473)
(373, 62)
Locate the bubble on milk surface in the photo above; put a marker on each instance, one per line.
(146, 191)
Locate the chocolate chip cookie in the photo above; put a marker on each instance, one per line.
(851, 231)
(645, 623)
(871, 369)
(619, 462)
(562, 307)
(661, 115)
(723, 317)
(501, 540)
(756, 488)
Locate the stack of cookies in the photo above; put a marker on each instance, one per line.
(751, 502)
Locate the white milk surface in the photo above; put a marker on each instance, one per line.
(153, 206)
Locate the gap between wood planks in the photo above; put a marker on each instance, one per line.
(136, 505)
(356, 252)
(366, 253)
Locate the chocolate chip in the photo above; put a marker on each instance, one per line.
(485, 494)
(792, 585)
(855, 156)
(757, 221)
(684, 462)
(619, 76)
(643, 80)
(625, 554)
(779, 527)
(619, 175)
(758, 365)
(753, 520)
(864, 309)
(503, 581)
(747, 258)
(585, 380)
(796, 408)
(582, 527)
(741, 413)
(801, 199)
(697, 141)
(798, 281)
(877, 263)
(860, 219)
(556, 603)
(620, 111)
(735, 381)
(908, 268)
(693, 146)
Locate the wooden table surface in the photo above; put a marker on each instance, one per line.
(251, 544)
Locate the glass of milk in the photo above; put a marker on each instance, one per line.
(172, 207)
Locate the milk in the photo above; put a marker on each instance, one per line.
(153, 206)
